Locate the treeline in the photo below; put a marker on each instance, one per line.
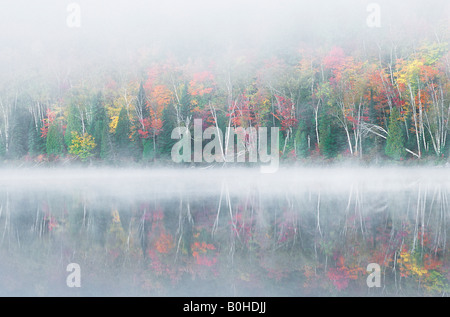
(328, 104)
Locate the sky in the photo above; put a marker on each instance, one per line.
(34, 34)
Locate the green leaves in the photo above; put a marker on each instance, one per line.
(395, 147)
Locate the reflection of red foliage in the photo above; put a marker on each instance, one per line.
(200, 251)
(51, 222)
(339, 277)
(164, 243)
(162, 269)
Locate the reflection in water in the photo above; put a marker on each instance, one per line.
(305, 232)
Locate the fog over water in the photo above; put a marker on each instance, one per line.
(223, 232)
(210, 231)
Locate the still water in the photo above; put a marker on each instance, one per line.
(224, 232)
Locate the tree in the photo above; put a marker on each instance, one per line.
(142, 117)
(168, 124)
(55, 140)
(98, 122)
(301, 143)
(122, 134)
(82, 145)
(107, 143)
(20, 121)
(36, 144)
(73, 125)
(328, 136)
(395, 147)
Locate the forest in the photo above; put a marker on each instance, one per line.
(140, 233)
(333, 106)
(357, 93)
(386, 101)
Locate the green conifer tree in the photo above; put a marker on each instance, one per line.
(395, 143)
(122, 135)
(55, 140)
(73, 125)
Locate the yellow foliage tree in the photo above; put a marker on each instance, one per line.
(82, 145)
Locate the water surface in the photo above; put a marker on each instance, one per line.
(224, 232)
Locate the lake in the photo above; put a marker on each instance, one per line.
(224, 232)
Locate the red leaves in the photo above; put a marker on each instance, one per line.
(334, 59)
(285, 113)
(341, 275)
(47, 122)
(164, 243)
(150, 127)
(242, 112)
(201, 84)
(200, 253)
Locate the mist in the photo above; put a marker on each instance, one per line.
(117, 34)
(93, 202)
(220, 232)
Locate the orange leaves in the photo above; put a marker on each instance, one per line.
(201, 84)
(161, 96)
(201, 254)
(51, 115)
(51, 222)
(431, 262)
(241, 112)
(380, 257)
(342, 274)
(164, 243)
(335, 58)
(201, 247)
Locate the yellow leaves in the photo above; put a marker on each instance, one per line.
(82, 145)
(412, 73)
(126, 98)
(432, 53)
(410, 266)
(408, 71)
(113, 114)
(115, 216)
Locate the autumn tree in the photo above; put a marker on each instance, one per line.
(98, 122)
(73, 125)
(395, 147)
(82, 145)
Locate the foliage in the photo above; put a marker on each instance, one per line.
(82, 145)
(55, 140)
(395, 147)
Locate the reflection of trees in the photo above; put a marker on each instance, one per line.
(302, 241)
